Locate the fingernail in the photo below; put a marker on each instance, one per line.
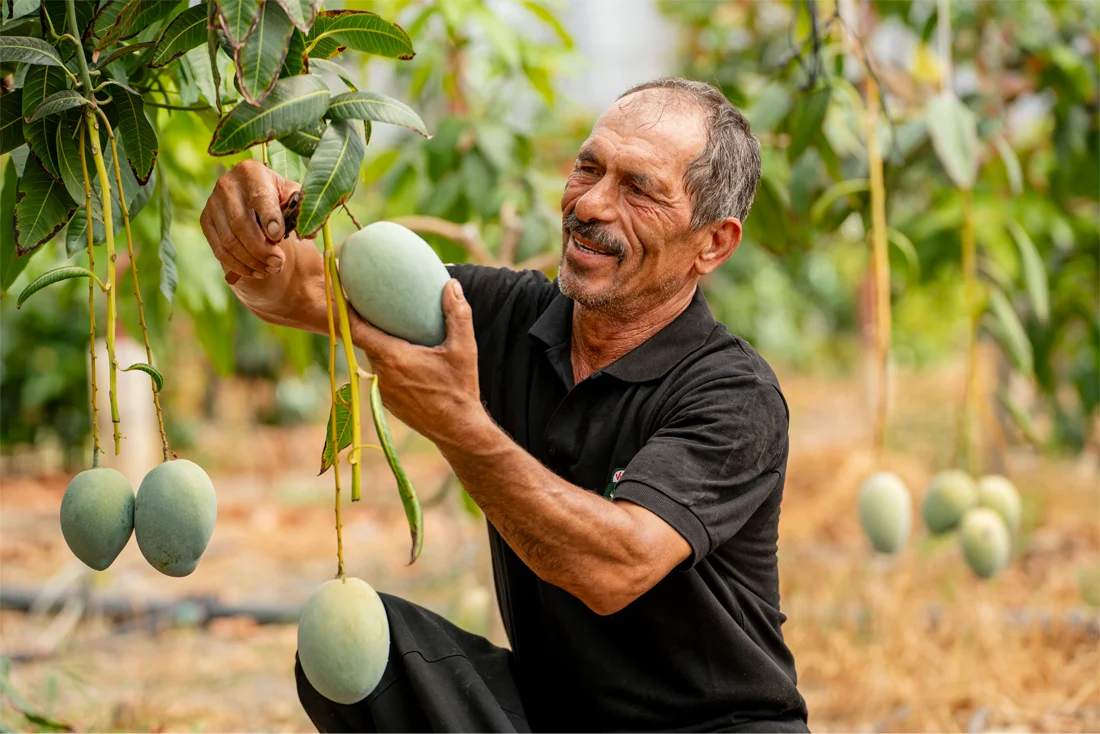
(274, 262)
(456, 288)
(273, 270)
(257, 274)
(273, 228)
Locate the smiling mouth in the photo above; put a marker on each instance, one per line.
(586, 248)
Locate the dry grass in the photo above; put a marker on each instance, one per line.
(912, 643)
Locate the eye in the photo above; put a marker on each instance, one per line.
(588, 169)
(635, 190)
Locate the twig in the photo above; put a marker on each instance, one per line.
(464, 235)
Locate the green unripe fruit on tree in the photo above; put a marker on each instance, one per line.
(998, 493)
(344, 640)
(950, 494)
(174, 516)
(97, 516)
(985, 541)
(885, 511)
(395, 281)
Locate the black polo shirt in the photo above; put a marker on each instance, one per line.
(690, 425)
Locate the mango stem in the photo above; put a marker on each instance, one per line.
(881, 265)
(108, 226)
(137, 295)
(96, 450)
(353, 365)
(332, 385)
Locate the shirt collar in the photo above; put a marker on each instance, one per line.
(651, 359)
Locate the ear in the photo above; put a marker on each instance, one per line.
(725, 236)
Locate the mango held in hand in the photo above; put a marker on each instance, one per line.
(174, 516)
(950, 494)
(395, 281)
(344, 640)
(884, 511)
(97, 516)
(998, 493)
(985, 541)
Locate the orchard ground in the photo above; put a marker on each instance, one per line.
(908, 643)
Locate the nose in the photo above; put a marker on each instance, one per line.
(597, 204)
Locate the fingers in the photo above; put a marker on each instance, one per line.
(265, 255)
(263, 197)
(227, 248)
(459, 318)
(376, 343)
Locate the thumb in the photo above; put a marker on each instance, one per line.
(459, 318)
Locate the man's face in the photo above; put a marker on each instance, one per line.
(627, 242)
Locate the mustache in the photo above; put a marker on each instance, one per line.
(596, 233)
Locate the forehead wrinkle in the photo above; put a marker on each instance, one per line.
(655, 183)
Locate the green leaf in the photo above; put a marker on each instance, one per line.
(768, 108)
(296, 59)
(546, 16)
(57, 103)
(120, 52)
(1012, 165)
(138, 135)
(301, 12)
(342, 438)
(319, 46)
(954, 131)
(41, 135)
(213, 43)
(11, 265)
(68, 160)
(363, 31)
(333, 171)
(124, 19)
(153, 372)
(198, 64)
(333, 68)
(237, 18)
(106, 16)
(76, 234)
(185, 32)
(1010, 332)
(261, 57)
(28, 50)
(293, 102)
(42, 207)
(830, 196)
(405, 488)
(285, 162)
(809, 113)
(169, 275)
(21, 8)
(304, 140)
(50, 277)
(1034, 271)
(376, 107)
(11, 121)
(907, 248)
(1019, 416)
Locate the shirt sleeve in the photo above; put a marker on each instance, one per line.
(713, 461)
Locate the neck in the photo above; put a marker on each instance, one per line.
(599, 338)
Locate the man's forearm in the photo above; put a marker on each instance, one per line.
(568, 536)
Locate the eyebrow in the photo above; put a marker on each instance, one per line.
(641, 180)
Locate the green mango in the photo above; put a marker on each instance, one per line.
(950, 494)
(395, 281)
(97, 516)
(985, 541)
(174, 516)
(344, 640)
(885, 511)
(998, 493)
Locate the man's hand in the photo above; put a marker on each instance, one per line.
(433, 390)
(282, 280)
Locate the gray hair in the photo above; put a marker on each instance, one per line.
(722, 180)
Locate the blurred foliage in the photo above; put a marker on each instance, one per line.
(1023, 71)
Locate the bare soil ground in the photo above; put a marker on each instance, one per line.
(910, 643)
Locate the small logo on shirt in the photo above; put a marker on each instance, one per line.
(609, 491)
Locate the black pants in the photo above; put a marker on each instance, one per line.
(441, 678)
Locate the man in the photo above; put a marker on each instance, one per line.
(627, 451)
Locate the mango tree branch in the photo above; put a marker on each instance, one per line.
(464, 235)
